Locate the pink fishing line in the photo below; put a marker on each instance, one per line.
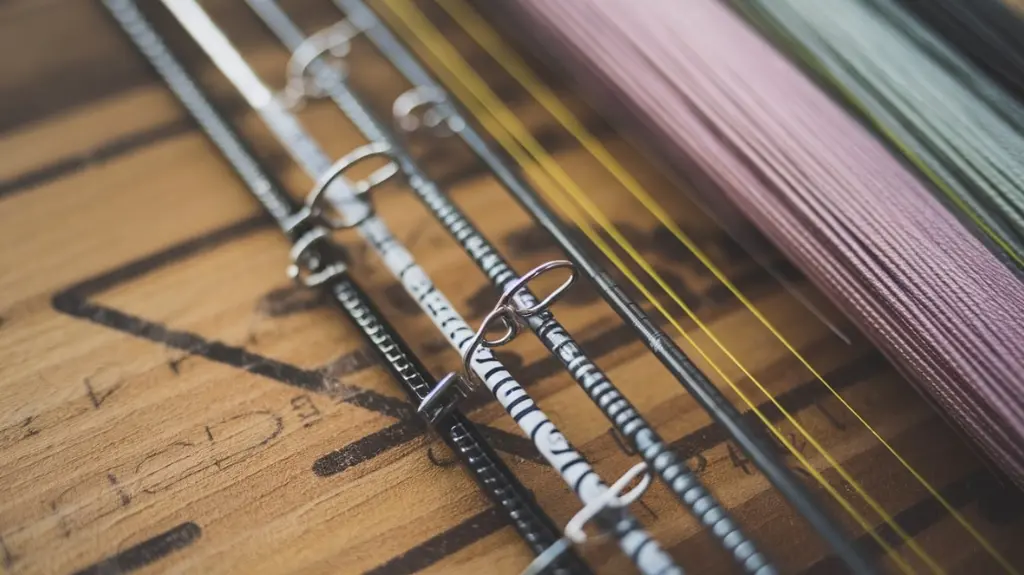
(722, 101)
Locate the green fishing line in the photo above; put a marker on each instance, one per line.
(946, 116)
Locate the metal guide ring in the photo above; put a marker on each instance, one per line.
(510, 315)
(361, 188)
(441, 124)
(574, 533)
(506, 311)
(512, 329)
(612, 497)
(300, 254)
(510, 292)
(335, 39)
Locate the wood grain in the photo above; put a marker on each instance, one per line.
(169, 399)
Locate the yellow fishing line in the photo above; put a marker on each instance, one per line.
(534, 171)
(484, 35)
(448, 57)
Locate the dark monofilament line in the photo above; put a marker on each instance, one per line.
(684, 484)
(987, 31)
(660, 344)
(490, 473)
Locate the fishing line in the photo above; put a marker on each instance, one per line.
(951, 121)
(574, 469)
(683, 483)
(605, 39)
(458, 432)
(664, 348)
(482, 33)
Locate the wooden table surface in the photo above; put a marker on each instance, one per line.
(168, 400)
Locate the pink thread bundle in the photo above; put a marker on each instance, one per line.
(814, 181)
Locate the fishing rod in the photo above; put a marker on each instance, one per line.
(311, 54)
(325, 261)
(313, 248)
(660, 344)
(478, 360)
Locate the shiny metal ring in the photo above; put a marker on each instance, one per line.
(610, 498)
(360, 188)
(511, 316)
(335, 39)
(574, 533)
(430, 100)
(512, 329)
(510, 292)
(303, 259)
